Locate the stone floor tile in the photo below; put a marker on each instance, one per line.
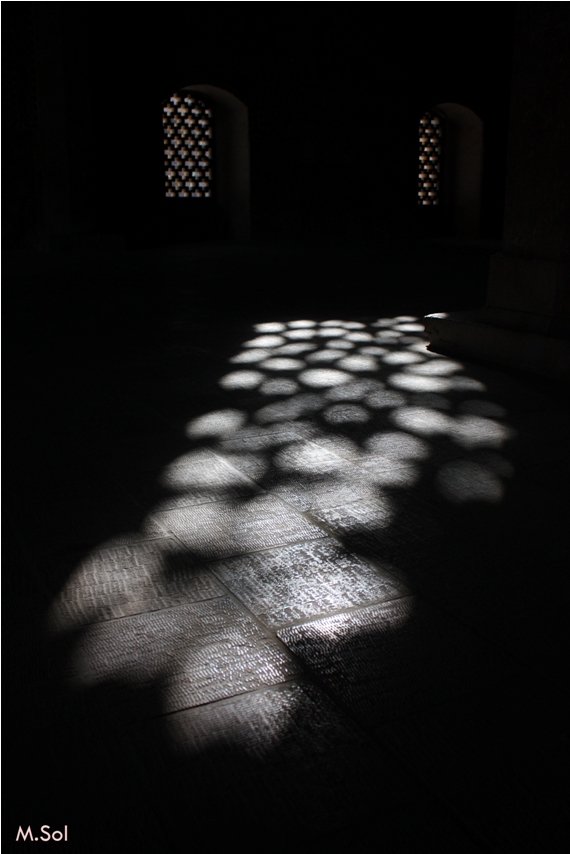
(296, 582)
(386, 529)
(188, 655)
(130, 579)
(223, 529)
(384, 660)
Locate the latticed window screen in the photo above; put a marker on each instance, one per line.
(430, 159)
(187, 126)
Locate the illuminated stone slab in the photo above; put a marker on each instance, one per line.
(229, 528)
(389, 659)
(391, 530)
(188, 655)
(116, 582)
(283, 585)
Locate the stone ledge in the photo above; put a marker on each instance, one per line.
(495, 335)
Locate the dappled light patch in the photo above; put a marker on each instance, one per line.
(268, 328)
(242, 380)
(415, 382)
(385, 399)
(401, 358)
(323, 378)
(466, 384)
(301, 324)
(294, 349)
(409, 327)
(282, 364)
(279, 387)
(338, 431)
(397, 446)
(292, 409)
(265, 341)
(486, 408)
(356, 390)
(440, 367)
(342, 344)
(373, 351)
(326, 356)
(388, 335)
(425, 422)
(220, 423)
(474, 431)
(250, 356)
(461, 481)
(358, 363)
(360, 337)
(331, 332)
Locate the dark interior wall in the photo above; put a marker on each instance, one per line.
(333, 98)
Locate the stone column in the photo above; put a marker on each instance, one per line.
(526, 320)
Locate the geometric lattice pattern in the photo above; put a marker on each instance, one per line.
(430, 159)
(187, 134)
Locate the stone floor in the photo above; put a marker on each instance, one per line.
(289, 579)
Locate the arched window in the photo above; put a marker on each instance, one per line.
(188, 153)
(429, 171)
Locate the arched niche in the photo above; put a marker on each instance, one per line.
(463, 168)
(232, 157)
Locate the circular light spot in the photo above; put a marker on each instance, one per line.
(441, 367)
(265, 341)
(426, 422)
(358, 363)
(326, 356)
(301, 324)
(410, 327)
(222, 422)
(298, 334)
(340, 345)
(249, 356)
(294, 349)
(269, 327)
(410, 382)
(283, 364)
(242, 379)
(399, 358)
(323, 377)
